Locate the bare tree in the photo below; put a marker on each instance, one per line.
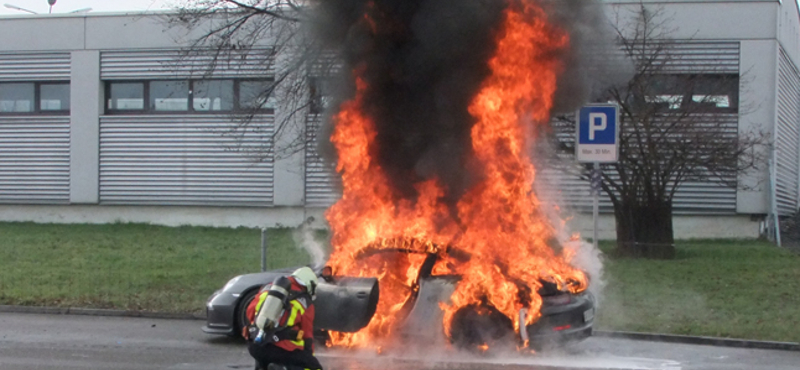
(677, 124)
(230, 31)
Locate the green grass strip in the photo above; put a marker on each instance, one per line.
(735, 289)
(130, 266)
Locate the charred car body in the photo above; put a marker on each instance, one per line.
(347, 304)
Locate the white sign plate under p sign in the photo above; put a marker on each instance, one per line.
(597, 134)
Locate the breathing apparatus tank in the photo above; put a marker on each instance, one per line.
(270, 312)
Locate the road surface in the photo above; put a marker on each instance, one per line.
(35, 341)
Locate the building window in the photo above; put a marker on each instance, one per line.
(698, 93)
(54, 96)
(34, 97)
(170, 96)
(212, 95)
(256, 94)
(321, 93)
(189, 96)
(17, 97)
(126, 96)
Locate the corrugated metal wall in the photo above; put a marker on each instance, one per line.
(34, 160)
(137, 64)
(787, 136)
(35, 67)
(176, 159)
(322, 183)
(702, 57)
(185, 160)
(34, 150)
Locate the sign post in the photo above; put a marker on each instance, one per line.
(596, 141)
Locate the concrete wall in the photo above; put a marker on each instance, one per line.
(94, 32)
(686, 227)
(788, 29)
(757, 100)
(86, 105)
(717, 20)
(157, 215)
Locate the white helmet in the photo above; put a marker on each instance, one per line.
(307, 278)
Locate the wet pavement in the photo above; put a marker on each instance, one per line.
(35, 341)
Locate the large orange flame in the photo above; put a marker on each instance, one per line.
(504, 242)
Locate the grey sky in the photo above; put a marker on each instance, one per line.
(66, 6)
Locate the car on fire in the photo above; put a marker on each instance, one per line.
(347, 304)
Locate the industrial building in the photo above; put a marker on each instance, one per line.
(104, 118)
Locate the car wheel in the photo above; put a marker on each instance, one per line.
(474, 326)
(241, 311)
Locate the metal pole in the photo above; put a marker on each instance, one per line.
(595, 208)
(263, 249)
(774, 224)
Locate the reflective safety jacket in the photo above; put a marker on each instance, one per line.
(297, 320)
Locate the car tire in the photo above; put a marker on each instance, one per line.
(241, 311)
(475, 325)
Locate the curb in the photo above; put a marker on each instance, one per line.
(99, 312)
(711, 341)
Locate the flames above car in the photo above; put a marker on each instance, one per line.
(504, 240)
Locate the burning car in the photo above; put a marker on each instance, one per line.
(348, 304)
(439, 203)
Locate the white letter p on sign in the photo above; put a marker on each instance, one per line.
(593, 127)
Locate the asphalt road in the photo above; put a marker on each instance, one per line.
(34, 341)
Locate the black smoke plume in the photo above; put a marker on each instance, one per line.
(423, 62)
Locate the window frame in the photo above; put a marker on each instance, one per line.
(686, 101)
(236, 108)
(37, 96)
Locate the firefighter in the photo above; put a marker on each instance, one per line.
(281, 323)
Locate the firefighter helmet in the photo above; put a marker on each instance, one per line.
(307, 278)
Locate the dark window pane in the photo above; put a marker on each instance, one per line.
(169, 95)
(16, 97)
(714, 101)
(126, 96)
(321, 92)
(693, 93)
(212, 95)
(54, 97)
(670, 101)
(256, 95)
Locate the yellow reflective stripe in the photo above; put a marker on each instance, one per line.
(296, 307)
(261, 298)
(299, 343)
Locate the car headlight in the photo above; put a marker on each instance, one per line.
(231, 282)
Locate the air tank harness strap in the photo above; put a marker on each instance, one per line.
(285, 334)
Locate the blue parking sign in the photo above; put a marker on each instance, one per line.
(597, 133)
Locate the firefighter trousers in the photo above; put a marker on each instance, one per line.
(265, 354)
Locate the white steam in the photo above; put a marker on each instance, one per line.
(305, 238)
(548, 190)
